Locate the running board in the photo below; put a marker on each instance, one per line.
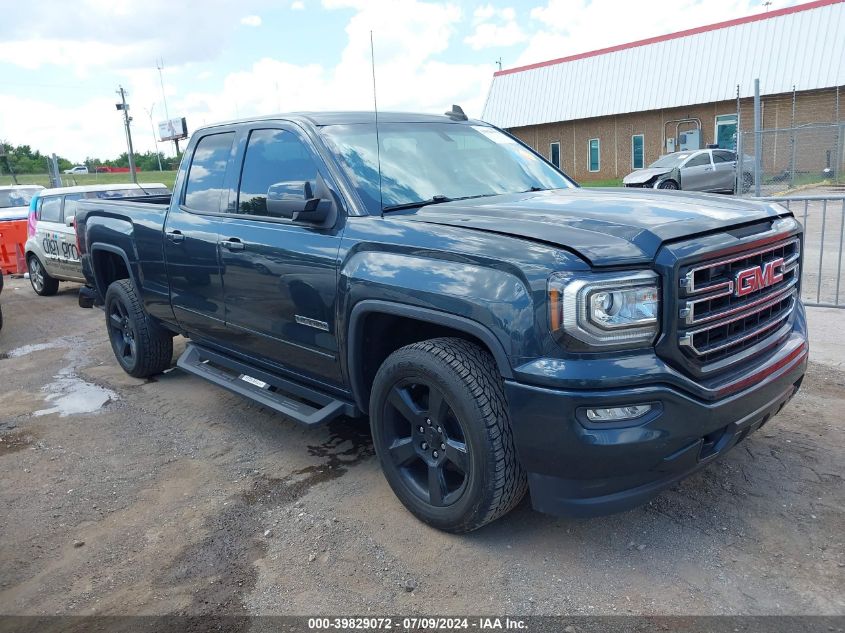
(303, 404)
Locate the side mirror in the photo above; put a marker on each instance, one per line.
(296, 200)
(71, 221)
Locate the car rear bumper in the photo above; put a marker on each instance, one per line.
(579, 468)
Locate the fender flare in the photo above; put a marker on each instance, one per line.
(462, 324)
(99, 246)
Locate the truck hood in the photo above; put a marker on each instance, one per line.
(644, 175)
(604, 226)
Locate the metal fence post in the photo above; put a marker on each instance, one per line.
(758, 138)
(792, 141)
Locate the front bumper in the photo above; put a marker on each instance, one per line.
(580, 469)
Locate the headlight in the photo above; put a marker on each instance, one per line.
(605, 310)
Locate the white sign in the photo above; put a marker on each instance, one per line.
(173, 129)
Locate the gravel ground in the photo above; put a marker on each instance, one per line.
(124, 496)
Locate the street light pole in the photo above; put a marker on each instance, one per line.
(153, 130)
(126, 121)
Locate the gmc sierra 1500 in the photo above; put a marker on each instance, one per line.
(503, 328)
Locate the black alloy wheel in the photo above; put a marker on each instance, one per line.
(425, 442)
(122, 333)
(442, 434)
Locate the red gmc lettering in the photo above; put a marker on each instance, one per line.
(759, 277)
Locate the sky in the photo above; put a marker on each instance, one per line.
(62, 62)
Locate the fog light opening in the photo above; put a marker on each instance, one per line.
(618, 414)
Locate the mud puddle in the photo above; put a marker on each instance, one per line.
(15, 441)
(69, 394)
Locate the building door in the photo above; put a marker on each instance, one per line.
(726, 131)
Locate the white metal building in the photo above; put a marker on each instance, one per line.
(691, 74)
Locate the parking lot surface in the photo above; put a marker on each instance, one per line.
(125, 496)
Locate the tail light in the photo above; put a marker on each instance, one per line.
(78, 240)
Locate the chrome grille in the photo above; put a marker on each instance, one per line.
(731, 304)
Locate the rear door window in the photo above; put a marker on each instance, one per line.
(204, 189)
(51, 209)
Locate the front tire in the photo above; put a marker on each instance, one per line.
(668, 184)
(140, 345)
(42, 283)
(441, 431)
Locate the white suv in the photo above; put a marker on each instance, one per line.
(51, 254)
(77, 169)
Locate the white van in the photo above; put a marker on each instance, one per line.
(51, 253)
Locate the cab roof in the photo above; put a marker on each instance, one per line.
(59, 191)
(349, 118)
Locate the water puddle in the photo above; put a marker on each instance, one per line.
(29, 349)
(69, 394)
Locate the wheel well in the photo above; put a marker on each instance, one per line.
(108, 268)
(382, 334)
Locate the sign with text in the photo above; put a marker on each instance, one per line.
(173, 130)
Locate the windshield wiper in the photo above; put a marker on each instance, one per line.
(421, 203)
(434, 200)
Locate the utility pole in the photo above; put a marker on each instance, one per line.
(153, 130)
(126, 121)
(499, 63)
(160, 67)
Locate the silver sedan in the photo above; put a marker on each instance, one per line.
(698, 170)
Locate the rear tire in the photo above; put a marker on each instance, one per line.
(140, 345)
(42, 283)
(441, 431)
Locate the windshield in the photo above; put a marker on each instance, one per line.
(421, 161)
(16, 197)
(670, 160)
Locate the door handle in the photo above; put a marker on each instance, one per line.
(176, 236)
(233, 244)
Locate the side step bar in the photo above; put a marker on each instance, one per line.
(303, 404)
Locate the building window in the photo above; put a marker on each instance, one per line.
(594, 155)
(637, 151)
(554, 154)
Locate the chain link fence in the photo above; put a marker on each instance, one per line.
(793, 157)
(801, 138)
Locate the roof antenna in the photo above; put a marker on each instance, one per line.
(378, 141)
(456, 113)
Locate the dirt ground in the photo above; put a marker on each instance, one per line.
(175, 496)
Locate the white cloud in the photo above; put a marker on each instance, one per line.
(251, 20)
(494, 28)
(297, 5)
(125, 33)
(567, 27)
(91, 127)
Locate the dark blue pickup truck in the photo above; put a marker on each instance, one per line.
(503, 328)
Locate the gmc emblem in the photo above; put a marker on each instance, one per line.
(759, 277)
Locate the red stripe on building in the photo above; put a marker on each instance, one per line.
(673, 36)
